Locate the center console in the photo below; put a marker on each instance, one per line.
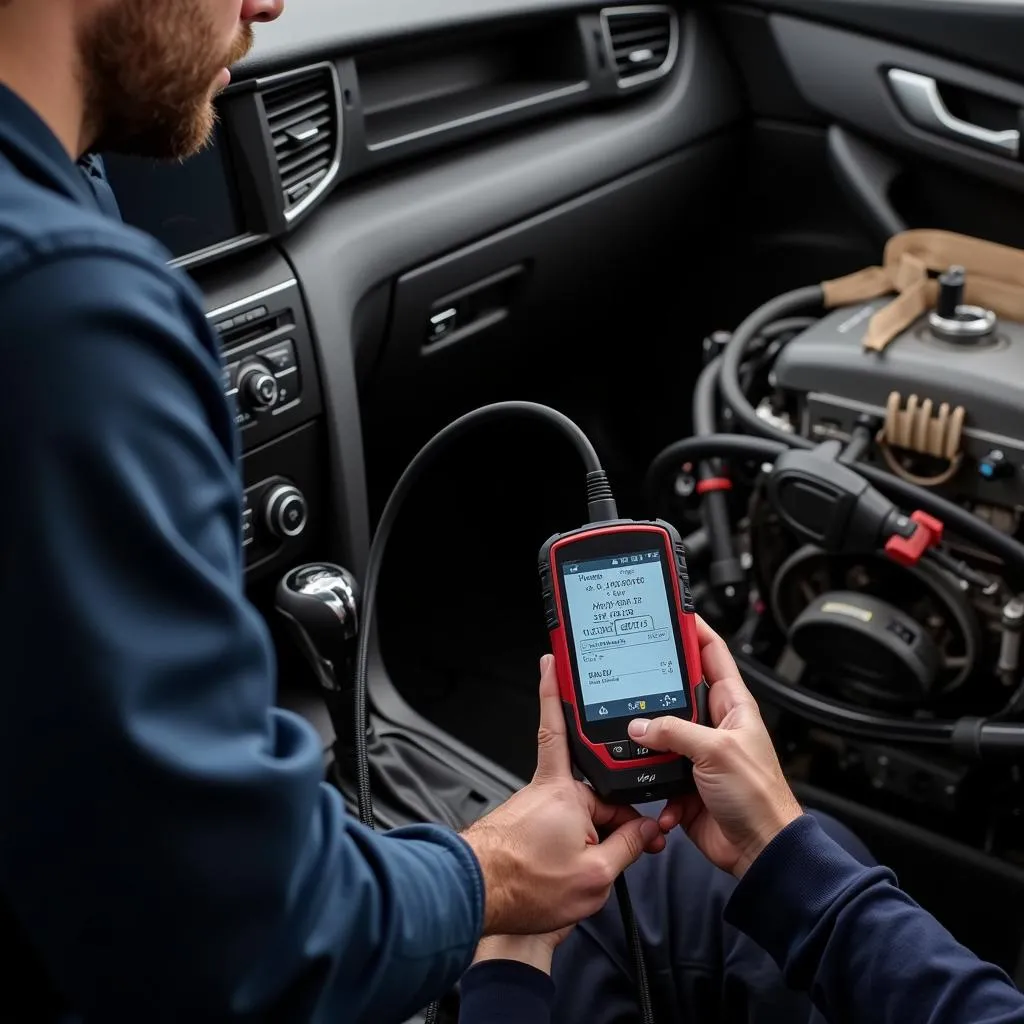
(271, 379)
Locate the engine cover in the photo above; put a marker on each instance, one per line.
(835, 380)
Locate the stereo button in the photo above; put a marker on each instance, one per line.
(257, 387)
(248, 528)
(286, 511)
(230, 375)
(280, 357)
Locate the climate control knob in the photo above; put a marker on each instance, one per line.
(285, 511)
(257, 387)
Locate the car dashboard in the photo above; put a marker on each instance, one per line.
(388, 182)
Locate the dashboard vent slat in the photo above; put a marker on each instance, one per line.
(643, 42)
(303, 123)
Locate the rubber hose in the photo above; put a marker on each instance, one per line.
(714, 506)
(995, 739)
(732, 358)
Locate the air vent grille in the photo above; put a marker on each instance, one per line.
(642, 41)
(303, 121)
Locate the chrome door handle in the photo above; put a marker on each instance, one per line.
(919, 99)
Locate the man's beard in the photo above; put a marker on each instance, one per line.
(149, 72)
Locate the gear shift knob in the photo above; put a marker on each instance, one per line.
(321, 604)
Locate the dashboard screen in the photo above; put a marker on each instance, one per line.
(187, 206)
(621, 622)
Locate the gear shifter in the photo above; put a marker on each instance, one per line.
(321, 603)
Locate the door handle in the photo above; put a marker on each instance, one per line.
(921, 103)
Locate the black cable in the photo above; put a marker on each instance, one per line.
(844, 718)
(601, 508)
(636, 949)
(732, 358)
(991, 738)
(956, 519)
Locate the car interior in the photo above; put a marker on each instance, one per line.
(414, 209)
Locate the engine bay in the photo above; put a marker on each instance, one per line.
(861, 547)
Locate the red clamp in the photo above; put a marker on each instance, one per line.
(714, 483)
(908, 551)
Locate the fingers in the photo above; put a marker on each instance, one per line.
(715, 657)
(727, 687)
(609, 817)
(675, 735)
(680, 811)
(672, 814)
(730, 694)
(626, 844)
(552, 744)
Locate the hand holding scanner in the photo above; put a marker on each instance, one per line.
(621, 620)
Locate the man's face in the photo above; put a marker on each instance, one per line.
(150, 72)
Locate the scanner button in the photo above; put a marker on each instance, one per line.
(684, 582)
(620, 751)
(638, 752)
(550, 610)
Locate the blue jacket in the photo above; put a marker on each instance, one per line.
(845, 933)
(168, 850)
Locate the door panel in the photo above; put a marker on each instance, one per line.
(847, 77)
(830, 133)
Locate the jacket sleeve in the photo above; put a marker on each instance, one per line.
(169, 847)
(862, 948)
(506, 992)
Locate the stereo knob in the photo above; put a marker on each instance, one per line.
(285, 511)
(257, 387)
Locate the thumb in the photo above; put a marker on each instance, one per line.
(673, 735)
(627, 843)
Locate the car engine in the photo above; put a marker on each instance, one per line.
(860, 514)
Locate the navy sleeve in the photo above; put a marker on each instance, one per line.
(864, 950)
(169, 846)
(506, 992)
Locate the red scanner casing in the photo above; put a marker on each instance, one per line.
(656, 776)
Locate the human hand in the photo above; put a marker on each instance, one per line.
(543, 863)
(743, 800)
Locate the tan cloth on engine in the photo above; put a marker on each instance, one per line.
(995, 280)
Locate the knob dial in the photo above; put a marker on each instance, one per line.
(257, 387)
(285, 511)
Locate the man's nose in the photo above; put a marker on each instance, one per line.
(262, 10)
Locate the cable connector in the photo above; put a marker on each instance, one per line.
(601, 506)
(912, 537)
(832, 506)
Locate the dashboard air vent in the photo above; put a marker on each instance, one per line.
(643, 41)
(303, 119)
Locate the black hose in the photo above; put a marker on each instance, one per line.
(981, 738)
(844, 718)
(956, 519)
(732, 358)
(714, 505)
